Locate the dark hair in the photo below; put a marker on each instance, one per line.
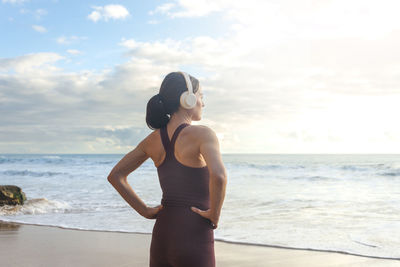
(161, 106)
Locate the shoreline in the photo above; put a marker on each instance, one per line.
(216, 239)
(37, 245)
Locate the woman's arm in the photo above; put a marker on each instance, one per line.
(118, 179)
(209, 149)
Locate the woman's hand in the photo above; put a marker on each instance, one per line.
(151, 213)
(206, 214)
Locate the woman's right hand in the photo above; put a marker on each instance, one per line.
(206, 214)
(151, 213)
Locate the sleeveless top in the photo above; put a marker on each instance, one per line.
(182, 186)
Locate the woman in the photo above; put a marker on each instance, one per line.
(191, 174)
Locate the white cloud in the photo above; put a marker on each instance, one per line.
(37, 14)
(66, 40)
(74, 52)
(188, 8)
(164, 9)
(169, 50)
(40, 12)
(39, 28)
(94, 16)
(30, 63)
(292, 18)
(153, 22)
(128, 43)
(73, 110)
(277, 82)
(14, 1)
(108, 12)
(290, 91)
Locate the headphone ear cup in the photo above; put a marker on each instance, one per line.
(188, 100)
(182, 99)
(191, 100)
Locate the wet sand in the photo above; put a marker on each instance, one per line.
(33, 245)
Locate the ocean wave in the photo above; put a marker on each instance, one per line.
(355, 168)
(51, 157)
(377, 168)
(39, 160)
(267, 166)
(7, 160)
(341, 251)
(36, 206)
(313, 178)
(30, 173)
(372, 167)
(391, 173)
(56, 160)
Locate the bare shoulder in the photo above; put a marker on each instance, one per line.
(148, 141)
(203, 132)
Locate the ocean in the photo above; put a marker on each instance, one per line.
(344, 203)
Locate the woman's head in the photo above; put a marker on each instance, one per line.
(166, 103)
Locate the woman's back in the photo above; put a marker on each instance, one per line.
(181, 185)
(181, 237)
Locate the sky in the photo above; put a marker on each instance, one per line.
(287, 76)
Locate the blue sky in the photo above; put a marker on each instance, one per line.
(292, 76)
(97, 40)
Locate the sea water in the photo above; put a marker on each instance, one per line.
(346, 203)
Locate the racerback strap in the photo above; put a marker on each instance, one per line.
(169, 144)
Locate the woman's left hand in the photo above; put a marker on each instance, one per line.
(151, 213)
(206, 214)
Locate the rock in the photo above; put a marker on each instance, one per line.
(11, 195)
(9, 226)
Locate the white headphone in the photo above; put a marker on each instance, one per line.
(188, 98)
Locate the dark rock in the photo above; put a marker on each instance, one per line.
(9, 226)
(11, 195)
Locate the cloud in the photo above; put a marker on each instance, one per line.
(30, 63)
(298, 87)
(40, 12)
(292, 18)
(37, 14)
(163, 9)
(184, 8)
(70, 139)
(290, 82)
(67, 40)
(39, 28)
(153, 22)
(128, 43)
(51, 105)
(278, 103)
(14, 1)
(74, 52)
(169, 50)
(108, 12)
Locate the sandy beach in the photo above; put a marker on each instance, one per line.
(33, 245)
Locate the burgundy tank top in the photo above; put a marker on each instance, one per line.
(182, 186)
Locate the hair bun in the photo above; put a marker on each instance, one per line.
(160, 100)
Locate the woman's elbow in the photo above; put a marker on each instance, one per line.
(221, 177)
(113, 178)
(224, 179)
(110, 179)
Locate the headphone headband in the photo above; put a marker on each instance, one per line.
(188, 82)
(188, 99)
